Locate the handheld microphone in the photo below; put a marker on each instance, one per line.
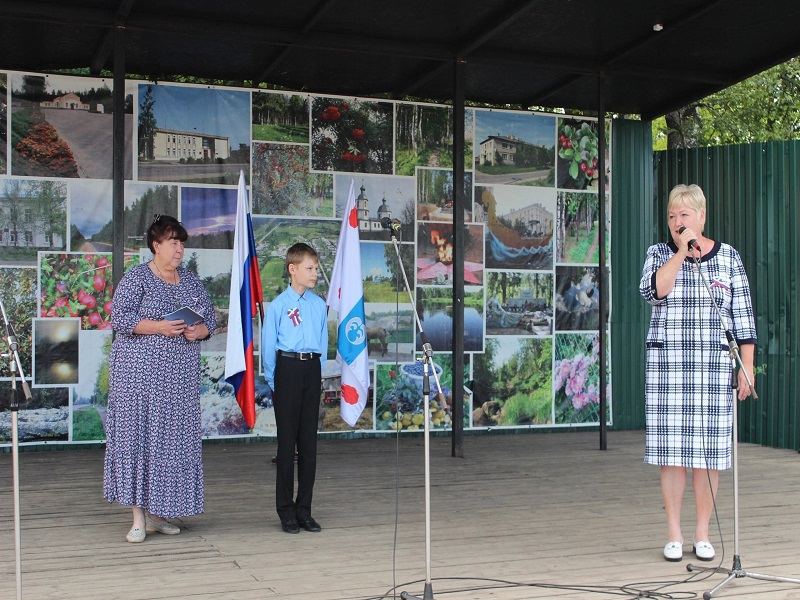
(392, 224)
(692, 243)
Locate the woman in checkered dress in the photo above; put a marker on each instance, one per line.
(688, 379)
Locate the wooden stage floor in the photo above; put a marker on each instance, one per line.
(545, 509)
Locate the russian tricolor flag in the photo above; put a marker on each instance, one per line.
(346, 297)
(246, 299)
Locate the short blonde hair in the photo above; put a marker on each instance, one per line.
(690, 195)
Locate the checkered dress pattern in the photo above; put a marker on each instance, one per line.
(688, 396)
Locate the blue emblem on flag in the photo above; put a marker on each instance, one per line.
(353, 331)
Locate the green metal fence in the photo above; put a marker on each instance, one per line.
(753, 192)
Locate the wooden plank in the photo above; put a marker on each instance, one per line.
(548, 510)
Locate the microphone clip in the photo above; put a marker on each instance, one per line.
(390, 224)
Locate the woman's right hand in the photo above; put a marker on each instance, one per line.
(683, 239)
(171, 328)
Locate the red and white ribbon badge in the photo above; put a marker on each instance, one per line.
(294, 316)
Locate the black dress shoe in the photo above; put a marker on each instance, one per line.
(309, 524)
(289, 525)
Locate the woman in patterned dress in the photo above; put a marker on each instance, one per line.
(153, 459)
(689, 410)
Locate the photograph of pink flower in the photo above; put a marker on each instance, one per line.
(576, 378)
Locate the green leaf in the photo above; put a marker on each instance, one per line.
(574, 170)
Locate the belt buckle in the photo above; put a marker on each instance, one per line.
(305, 355)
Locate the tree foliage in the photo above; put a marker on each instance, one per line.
(161, 199)
(764, 108)
(18, 294)
(280, 109)
(408, 259)
(147, 124)
(101, 385)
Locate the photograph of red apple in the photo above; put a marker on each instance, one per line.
(78, 285)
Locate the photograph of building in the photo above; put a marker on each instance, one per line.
(170, 144)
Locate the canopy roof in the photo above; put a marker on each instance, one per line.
(520, 52)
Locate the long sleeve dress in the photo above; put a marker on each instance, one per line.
(688, 395)
(153, 428)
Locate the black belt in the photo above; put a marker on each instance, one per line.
(299, 355)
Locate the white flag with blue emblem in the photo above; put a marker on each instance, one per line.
(346, 297)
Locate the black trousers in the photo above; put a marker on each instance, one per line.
(296, 401)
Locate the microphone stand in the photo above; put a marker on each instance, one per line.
(427, 359)
(15, 365)
(736, 571)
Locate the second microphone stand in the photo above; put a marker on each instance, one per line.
(427, 359)
(16, 367)
(736, 571)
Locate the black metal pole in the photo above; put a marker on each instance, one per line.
(459, 254)
(601, 199)
(118, 165)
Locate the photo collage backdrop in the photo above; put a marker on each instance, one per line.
(531, 244)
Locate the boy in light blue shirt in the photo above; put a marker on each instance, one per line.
(294, 345)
